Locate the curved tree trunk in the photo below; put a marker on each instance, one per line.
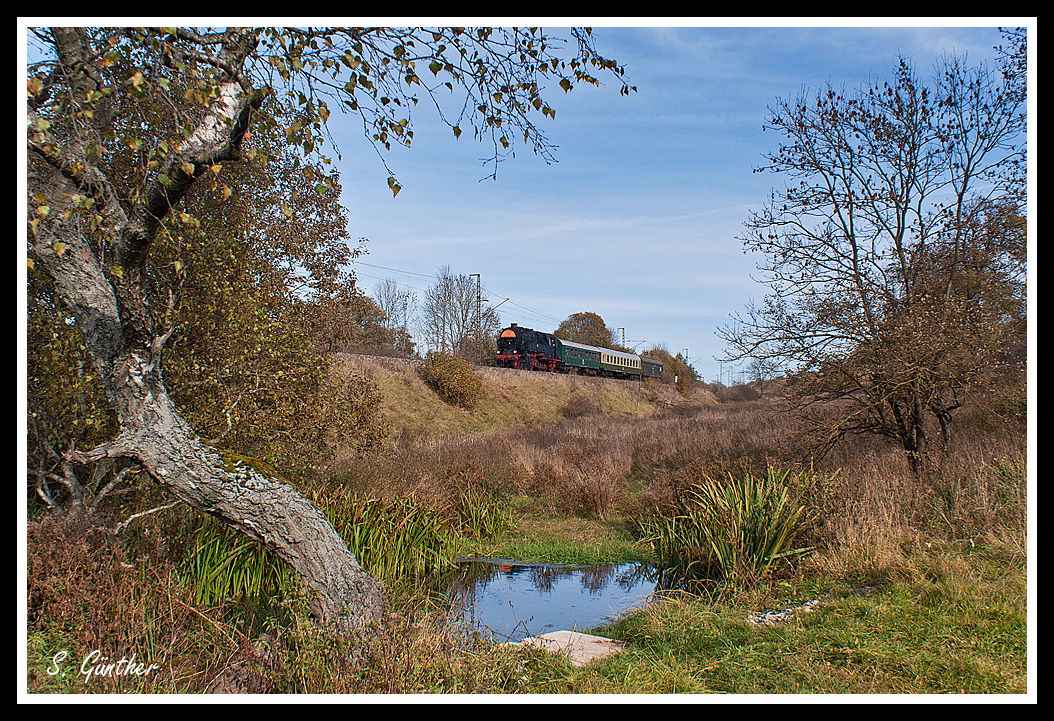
(261, 506)
(156, 435)
(111, 312)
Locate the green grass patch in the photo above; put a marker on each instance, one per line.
(736, 528)
(560, 539)
(964, 632)
(401, 541)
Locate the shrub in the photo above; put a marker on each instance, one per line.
(453, 380)
(578, 406)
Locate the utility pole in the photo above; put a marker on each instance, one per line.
(476, 339)
(623, 344)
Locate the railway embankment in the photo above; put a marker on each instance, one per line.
(510, 397)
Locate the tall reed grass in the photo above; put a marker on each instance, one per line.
(735, 529)
(401, 541)
(224, 564)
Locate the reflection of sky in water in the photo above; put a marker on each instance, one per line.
(526, 600)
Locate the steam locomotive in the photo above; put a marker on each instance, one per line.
(529, 349)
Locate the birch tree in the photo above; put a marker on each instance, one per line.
(100, 189)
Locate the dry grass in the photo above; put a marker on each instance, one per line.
(509, 398)
(578, 457)
(600, 449)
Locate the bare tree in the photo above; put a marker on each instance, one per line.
(891, 192)
(399, 307)
(761, 371)
(100, 188)
(453, 318)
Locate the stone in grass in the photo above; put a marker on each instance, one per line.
(579, 648)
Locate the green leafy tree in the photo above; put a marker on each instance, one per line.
(588, 329)
(115, 162)
(676, 370)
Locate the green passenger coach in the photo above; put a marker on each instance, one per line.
(651, 368)
(576, 355)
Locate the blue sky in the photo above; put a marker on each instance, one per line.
(638, 219)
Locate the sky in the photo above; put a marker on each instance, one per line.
(639, 218)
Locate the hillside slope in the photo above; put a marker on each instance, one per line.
(511, 397)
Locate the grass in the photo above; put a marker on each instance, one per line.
(559, 539)
(736, 529)
(508, 398)
(575, 481)
(964, 633)
(225, 564)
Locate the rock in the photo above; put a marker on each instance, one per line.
(580, 648)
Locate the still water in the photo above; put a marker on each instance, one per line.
(513, 600)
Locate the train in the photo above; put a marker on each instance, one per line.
(529, 349)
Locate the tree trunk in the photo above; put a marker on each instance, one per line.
(154, 434)
(260, 505)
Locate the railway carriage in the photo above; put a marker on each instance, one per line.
(651, 368)
(579, 357)
(529, 349)
(617, 363)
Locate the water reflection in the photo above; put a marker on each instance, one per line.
(512, 600)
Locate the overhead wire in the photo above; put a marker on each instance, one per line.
(524, 310)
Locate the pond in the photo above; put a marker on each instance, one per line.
(511, 600)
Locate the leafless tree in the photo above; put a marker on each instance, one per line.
(399, 307)
(882, 250)
(453, 318)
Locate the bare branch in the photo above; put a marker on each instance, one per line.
(125, 523)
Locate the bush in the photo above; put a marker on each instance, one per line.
(453, 379)
(578, 406)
